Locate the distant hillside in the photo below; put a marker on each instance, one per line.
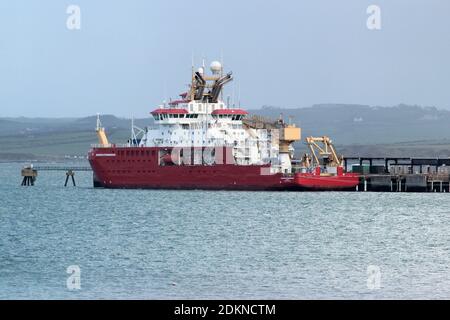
(35, 126)
(356, 129)
(405, 149)
(37, 139)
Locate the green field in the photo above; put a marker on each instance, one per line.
(57, 145)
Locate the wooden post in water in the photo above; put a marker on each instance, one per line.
(29, 176)
(71, 174)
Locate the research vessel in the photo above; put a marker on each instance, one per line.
(201, 142)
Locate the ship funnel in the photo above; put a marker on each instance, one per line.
(218, 85)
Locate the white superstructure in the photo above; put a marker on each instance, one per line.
(202, 119)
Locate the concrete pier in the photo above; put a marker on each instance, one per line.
(390, 174)
(404, 183)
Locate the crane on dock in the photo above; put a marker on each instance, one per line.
(322, 149)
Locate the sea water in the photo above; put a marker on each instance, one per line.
(86, 243)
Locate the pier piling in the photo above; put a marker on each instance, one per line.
(70, 174)
(29, 176)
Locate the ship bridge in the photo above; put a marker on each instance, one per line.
(202, 104)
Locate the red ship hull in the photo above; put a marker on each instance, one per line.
(140, 168)
(341, 182)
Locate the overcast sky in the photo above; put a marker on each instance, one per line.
(130, 55)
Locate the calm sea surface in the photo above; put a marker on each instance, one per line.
(199, 244)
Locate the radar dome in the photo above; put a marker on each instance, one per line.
(216, 67)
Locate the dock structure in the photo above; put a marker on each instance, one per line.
(30, 173)
(377, 174)
(391, 174)
(404, 183)
(70, 174)
(411, 163)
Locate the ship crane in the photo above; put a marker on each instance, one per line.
(323, 147)
(101, 134)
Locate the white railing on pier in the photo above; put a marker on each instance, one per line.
(61, 168)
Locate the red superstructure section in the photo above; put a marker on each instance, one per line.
(169, 111)
(142, 167)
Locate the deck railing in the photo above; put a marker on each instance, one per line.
(111, 145)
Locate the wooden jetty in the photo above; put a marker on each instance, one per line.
(30, 173)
